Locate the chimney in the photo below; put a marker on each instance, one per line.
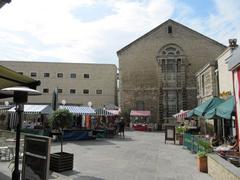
(232, 43)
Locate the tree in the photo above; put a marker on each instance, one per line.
(59, 120)
(125, 113)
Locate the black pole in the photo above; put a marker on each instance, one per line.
(16, 172)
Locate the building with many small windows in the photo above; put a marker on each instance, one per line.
(77, 83)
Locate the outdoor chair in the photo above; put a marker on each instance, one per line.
(13, 157)
(4, 153)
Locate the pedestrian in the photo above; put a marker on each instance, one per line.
(122, 126)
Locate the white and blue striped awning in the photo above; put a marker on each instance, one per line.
(34, 109)
(80, 110)
(103, 112)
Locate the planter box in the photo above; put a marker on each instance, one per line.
(60, 162)
(202, 164)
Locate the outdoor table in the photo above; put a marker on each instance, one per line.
(5, 153)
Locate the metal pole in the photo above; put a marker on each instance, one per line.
(16, 172)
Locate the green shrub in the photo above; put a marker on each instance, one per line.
(206, 145)
(180, 129)
(61, 119)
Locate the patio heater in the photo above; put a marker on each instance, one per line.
(20, 96)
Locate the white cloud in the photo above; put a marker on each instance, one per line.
(54, 32)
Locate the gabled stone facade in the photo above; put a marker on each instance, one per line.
(157, 71)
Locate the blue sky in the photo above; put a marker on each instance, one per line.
(91, 31)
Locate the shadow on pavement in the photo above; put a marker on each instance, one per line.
(119, 138)
(4, 177)
(85, 142)
(87, 178)
(73, 175)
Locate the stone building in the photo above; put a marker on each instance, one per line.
(207, 82)
(77, 83)
(157, 70)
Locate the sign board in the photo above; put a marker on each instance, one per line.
(169, 133)
(36, 157)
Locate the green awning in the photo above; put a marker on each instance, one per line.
(10, 78)
(190, 114)
(210, 114)
(226, 109)
(208, 105)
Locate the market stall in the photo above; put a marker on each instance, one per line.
(81, 127)
(140, 120)
(35, 118)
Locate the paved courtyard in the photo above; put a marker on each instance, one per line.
(140, 156)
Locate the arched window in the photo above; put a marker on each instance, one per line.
(171, 59)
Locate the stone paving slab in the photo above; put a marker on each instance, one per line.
(139, 156)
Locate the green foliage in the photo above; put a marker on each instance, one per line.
(60, 119)
(180, 129)
(201, 154)
(125, 113)
(206, 145)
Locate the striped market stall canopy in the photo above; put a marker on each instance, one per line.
(79, 110)
(140, 113)
(181, 115)
(103, 112)
(34, 109)
(114, 112)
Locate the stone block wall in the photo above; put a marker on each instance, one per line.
(220, 169)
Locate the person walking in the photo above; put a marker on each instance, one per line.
(122, 126)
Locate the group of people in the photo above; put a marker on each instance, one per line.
(31, 124)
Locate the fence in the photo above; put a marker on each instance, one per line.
(191, 142)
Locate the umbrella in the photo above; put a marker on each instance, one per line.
(55, 99)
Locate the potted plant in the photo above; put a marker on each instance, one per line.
(205, 147)
(179, 133)
(61, 161)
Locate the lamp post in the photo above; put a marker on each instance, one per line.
(64, 102)
(20, 95)
(89, 104)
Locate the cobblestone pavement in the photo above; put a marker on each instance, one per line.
(138, 156)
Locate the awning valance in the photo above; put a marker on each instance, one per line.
(181, 115)
(224, 110)
(114, 112)
(80, 110)
(206, 106)
(34, 109)
(10, 78)
(140, 113)
(103, 112)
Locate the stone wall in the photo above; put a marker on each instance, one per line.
(220, 169)
(139, 69)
